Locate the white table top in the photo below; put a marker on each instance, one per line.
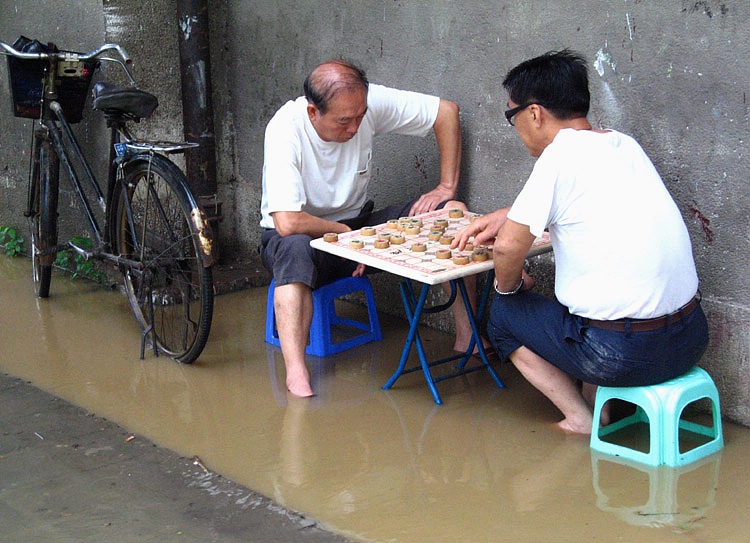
(424, 266)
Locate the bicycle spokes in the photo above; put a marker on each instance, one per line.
(168, 292)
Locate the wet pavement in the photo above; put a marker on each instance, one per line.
(69, 475)
(355, 461)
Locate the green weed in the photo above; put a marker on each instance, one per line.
(78, 266)
(11, 241)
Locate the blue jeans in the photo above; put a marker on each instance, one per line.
(593, 355)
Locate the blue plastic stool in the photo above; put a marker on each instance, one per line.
(325, 318)
(661, 406)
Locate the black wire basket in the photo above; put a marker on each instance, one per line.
(27, 78)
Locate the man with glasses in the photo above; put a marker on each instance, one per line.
(626, 310)
(316, 170)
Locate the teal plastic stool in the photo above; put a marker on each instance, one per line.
(661, 407)
(322, 341)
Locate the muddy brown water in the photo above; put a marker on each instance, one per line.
(373, 465)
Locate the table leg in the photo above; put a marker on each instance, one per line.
(476, 337)
(413, 313)
(474, 318)
(414, 309)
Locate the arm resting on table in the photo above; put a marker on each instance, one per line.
(447, 129)
(299, 222)
(509, 252)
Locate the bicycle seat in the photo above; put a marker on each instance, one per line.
(130, 101)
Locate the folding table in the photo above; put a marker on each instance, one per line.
(416, 258)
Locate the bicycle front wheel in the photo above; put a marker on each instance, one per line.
(45, 179)
(171, 291)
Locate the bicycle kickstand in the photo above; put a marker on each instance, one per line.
(149, 330)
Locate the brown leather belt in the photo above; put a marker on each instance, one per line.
(644, 325)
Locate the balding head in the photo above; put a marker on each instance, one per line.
(331, 78)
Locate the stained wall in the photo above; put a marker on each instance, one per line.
(673, 74)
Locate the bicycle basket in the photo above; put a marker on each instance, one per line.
(27, 78)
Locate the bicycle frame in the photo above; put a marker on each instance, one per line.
(122, 147)
(56, 133)
(68, 150)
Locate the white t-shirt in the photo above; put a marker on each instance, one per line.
(621, 246)
(301, 172)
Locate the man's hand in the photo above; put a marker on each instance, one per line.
(483, 230)
(429, 201)
(359, 271)
(528, 281)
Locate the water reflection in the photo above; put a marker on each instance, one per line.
(540, 485)
(656, 496)
(374, 465)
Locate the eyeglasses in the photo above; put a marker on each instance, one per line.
(510, 113)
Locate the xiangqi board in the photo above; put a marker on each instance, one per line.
(417, 247)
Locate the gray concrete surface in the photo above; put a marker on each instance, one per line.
(71, 476)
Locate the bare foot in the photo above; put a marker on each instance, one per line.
(575, 427)
(299, 384)
(302, 391)
(461, 344)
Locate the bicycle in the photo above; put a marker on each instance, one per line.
(153, 231)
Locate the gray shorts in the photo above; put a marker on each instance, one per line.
(291, 259)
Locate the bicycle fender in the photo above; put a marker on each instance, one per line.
(205, 235)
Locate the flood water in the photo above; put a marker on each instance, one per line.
(373, 465)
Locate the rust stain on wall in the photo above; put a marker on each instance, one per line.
(419, 165)
(704, 222)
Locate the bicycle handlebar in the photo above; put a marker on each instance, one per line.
(67, 55)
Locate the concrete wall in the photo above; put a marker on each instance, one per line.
(148, 31)
(672, 73)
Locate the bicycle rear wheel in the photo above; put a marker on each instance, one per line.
(45, 179)
(171, 292)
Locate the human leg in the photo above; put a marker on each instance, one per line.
(293, 306)
(588, 390)
(297, 269)
(532, 330)
(561, 389)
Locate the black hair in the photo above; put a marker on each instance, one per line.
(558, 80)
(331, 78)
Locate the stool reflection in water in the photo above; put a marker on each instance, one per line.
(671, 439)
(655, 496)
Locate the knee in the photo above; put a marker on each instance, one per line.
(290, 259)
(455, 204)
(294, 246)
(292, 249)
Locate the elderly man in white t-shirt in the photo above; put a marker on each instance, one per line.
(316, 170)
(626, 311)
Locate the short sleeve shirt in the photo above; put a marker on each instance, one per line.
(621, 246)
(301, 172)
